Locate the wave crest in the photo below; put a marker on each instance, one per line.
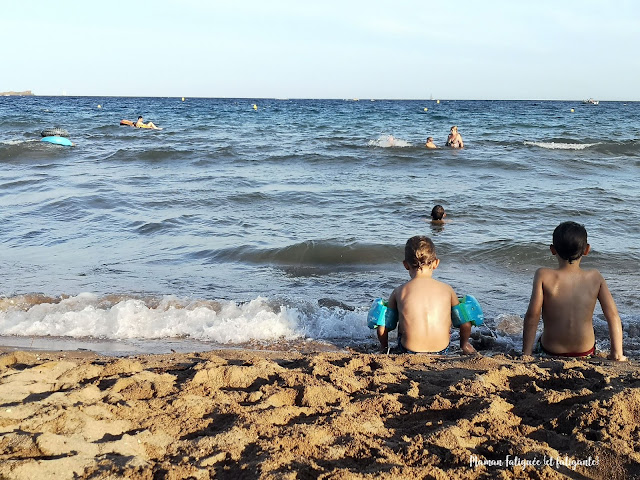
(311, 253)
(389, 141)
(561, 146)
(225, 322)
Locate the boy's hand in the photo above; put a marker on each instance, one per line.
(468, 349)
(618, 357)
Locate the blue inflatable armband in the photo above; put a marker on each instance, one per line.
(380, 315)
(468, 310)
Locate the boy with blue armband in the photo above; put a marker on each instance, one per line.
(424, 306)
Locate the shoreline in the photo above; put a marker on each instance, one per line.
(134, 347)
(279, 414)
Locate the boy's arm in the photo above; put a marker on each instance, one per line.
(383, 338)
(465, 330)
(532, 317)
(613, 320)
(392, 303)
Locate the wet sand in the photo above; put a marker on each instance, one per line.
(334, 415)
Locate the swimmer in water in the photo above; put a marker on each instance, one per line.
(140, 124)
(437, 215)
(454, 140)
(430, 143)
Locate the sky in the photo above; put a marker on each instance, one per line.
(511, 49)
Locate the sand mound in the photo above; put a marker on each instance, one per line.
(238, 414)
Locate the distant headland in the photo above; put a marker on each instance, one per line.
(17, 94)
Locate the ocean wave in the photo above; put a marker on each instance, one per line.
(389, 141)
(624, 148)
(15, 142)
(151, 228)
(149, 154)
(225, 322)
(18, 151)
(310, 253)
(560, 145)
(337, 256)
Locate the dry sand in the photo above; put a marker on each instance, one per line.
(275, 415)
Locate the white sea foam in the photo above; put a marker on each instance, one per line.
(125, 320)
(387, 141)
(86, 315)
(561, 146)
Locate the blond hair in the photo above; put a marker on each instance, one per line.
(419, 251)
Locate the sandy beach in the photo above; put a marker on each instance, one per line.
(265, 414)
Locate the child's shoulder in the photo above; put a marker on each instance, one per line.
(593, 273)
(544, 272)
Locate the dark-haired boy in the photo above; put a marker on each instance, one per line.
(424, 305)
(566, 297)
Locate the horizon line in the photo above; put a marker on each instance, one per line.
(354, 99)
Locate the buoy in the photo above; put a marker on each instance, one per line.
(572, 110)
(425, 109)
(437, 101)
(183, 99)
(255, 107)
(99, 106)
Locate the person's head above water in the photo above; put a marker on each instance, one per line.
(419, 251)
(454, 129)
(139, 117)
(570, 241)
(437, 212)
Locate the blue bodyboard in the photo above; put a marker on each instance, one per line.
(58, 141)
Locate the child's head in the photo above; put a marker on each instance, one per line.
(437, 212)
(429, 139)
(570, 241)
(419, 251)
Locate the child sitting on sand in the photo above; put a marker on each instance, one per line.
(438, 214)
(566, 297)
(423, 305)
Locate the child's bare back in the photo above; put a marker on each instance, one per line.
(424, 308)
(569, 297)
(423, 305)
(566, 297)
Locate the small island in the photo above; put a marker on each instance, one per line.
(16, 94)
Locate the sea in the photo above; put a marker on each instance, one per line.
(274, 223)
